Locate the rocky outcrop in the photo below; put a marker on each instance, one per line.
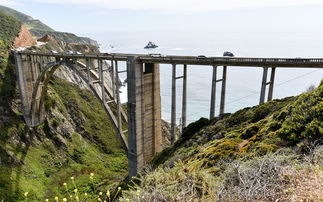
(24, 39)
(64, 36)
(46, 38)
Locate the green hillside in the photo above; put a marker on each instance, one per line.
(76, 139)
(27, 20)
(9, 30)
(268, 152)
(39, 29)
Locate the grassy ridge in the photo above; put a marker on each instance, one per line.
(264, 153)
(27, 20)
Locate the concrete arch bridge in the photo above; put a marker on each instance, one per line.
(35, 69)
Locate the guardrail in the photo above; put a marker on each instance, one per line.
(193, 60)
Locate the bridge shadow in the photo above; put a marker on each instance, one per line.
(15, 137)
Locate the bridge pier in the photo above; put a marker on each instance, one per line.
(144, 113)
(173, 106)
(223, 89)
(264, 84)
(184, 97)
(271, 85)
(213, 92)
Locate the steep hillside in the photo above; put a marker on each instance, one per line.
(268, 152)
(39, 29)
(27, 20)
(64, 36)
(75, 140)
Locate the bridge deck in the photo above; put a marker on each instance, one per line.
(193, 60)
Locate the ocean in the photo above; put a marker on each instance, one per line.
(243, 83)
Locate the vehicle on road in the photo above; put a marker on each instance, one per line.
(201, 57)
(157, 55)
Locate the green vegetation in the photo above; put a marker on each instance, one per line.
(9, 30)
(259, 153)
(39, 29)
(76, 139)
(25, 19)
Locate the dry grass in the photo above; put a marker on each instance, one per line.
(180, 184)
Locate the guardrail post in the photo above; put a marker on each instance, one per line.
(213, 92)
(271, 86)
(263, 86)
(173, 106)
(224, 79)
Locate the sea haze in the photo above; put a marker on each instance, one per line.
(243, 83)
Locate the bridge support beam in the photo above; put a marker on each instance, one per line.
(144, 113)
(184, 97)
(24, 96)
(263, 85)
(271, 85)
(173, 106)
(223, 89)
(213, 92)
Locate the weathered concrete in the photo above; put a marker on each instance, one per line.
(144, 113)
(184, 97)
(223, 89)
(173, 106)
(213, 92)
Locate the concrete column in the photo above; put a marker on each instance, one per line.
(173, 106)
(144, 115)
(271, 85)
(213, 93)
(224, 80)
(118, 98)
(135, 106)
(23, 88)
(101, 78)
(113, 79)
(88, 71)
(184, 97)
(263, 86)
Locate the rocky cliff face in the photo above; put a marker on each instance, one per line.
(65, 36)
(24, 39)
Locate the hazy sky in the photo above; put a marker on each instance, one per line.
(97, 16)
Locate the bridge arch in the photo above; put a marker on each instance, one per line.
(37, 109)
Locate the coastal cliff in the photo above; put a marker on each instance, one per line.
(39, 29)
(76, 139)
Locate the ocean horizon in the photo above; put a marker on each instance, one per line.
(243, 83)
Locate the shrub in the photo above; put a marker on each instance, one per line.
(249, 132)
(180, 183)
(255, 179)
